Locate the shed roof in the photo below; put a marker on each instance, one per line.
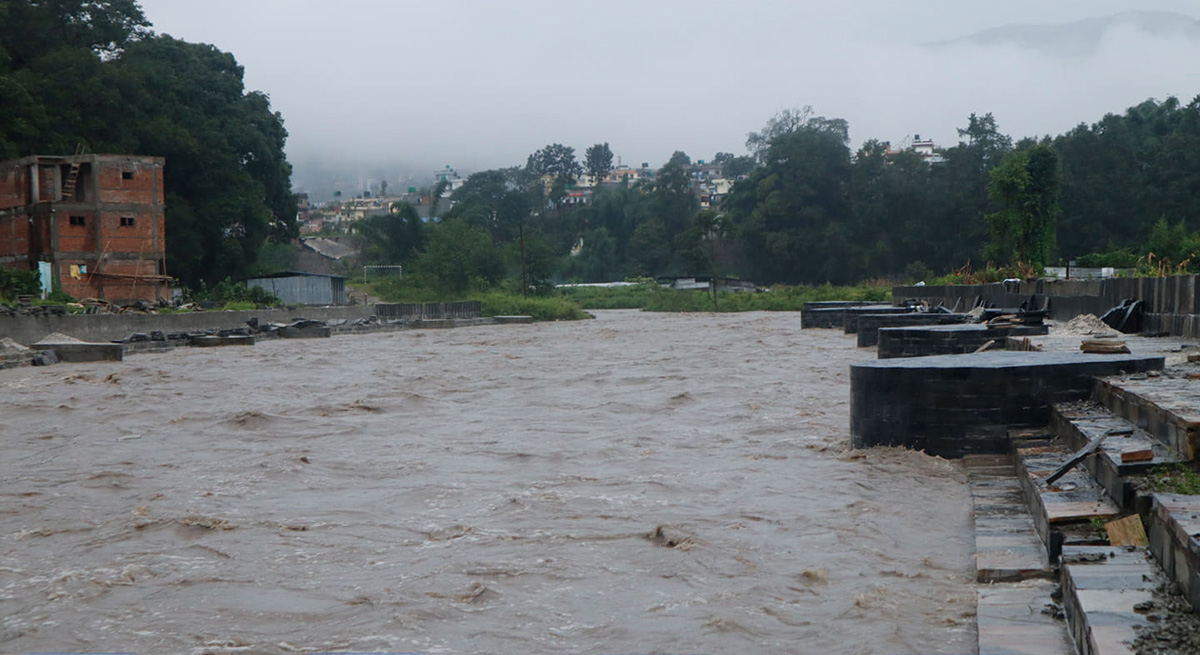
(295, 274)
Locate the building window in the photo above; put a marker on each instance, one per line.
(126, 175)
(126, 221)
(77, 220)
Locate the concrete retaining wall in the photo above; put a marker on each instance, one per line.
(108, 327)
(427, 310)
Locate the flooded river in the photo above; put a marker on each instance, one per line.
(639, 483)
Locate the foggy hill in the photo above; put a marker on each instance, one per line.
(1083, 37)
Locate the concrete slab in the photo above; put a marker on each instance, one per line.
(510, 320)
(1007, 547)
(216, 342)
(84, 352)
(307, 332)
(1011, 621)
(1102, 596)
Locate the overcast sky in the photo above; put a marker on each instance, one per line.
(482, 83)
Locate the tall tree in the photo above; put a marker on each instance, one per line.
(392, 238)
(985, 140)
(228, 182)
(557, 161)
(790, 210)
(598, 161)
(1026, 182)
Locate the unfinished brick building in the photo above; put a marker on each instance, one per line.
(97, 219)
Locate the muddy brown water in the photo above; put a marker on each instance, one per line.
(639, 483)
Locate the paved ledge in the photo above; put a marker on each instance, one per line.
(84, 352)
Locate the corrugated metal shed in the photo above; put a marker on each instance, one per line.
(295, 288)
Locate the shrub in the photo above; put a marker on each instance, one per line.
(1115, 258)
(541, 309)
(15, 283)
(227, 291)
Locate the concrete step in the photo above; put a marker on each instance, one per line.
(1165, 406)
(1077, 423)
(1020, 619)
(1015, 613)
(1007, 546)
(1107, 592)
(1062, 513)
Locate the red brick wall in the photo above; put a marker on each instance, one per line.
(48, 183)
(102, 243)
(76, 238)
(136, 238)
(144, 188)
(14, 235)
(14, 186)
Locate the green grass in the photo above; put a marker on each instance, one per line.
(631, 297)
(569, 303)
(238, 306)
(492, 302)
(780, 298)
(1173, 479)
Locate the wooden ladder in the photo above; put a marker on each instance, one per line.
(68, 188)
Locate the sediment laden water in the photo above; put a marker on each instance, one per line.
(638, 483)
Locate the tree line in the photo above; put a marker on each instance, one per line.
(807, 208)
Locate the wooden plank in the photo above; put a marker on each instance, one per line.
(1138, 455)
(1077, 458)
(1127, 532)
(1067, 512)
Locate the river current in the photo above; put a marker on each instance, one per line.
(639, 483)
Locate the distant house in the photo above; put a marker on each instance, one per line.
(926, 149)
(94, 223)
(295, 288)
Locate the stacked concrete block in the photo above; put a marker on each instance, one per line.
(922, 341)
(963, 404)
(869, 324)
